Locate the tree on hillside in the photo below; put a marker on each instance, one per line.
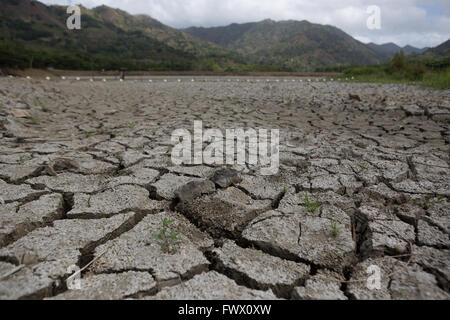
(399, 61)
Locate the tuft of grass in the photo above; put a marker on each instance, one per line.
(33, 121)
(37, 102)
(167, 239)
(311, 206)
(335, 229)
(284, 190)
(131, 125)
(363, 167)
(426, 203)
(88, 134)
(21, 159)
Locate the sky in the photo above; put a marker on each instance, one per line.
(421, 23)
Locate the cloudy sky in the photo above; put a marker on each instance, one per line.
(416, 22)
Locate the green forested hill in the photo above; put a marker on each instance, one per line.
(36, 34)
(297, 45)
(440, 51)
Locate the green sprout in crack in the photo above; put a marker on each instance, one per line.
(21, 159)
(38, 103)
(335, 229)
(131, 125)
(33, 121)
(311, 206)
(285, 190)
(167, 239)
(363, 167)
(88, 134)
(427, 203)
(440, 198)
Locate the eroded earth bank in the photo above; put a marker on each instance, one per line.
(86, 181)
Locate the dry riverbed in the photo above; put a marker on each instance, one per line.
(86, 181)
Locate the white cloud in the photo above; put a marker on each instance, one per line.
(416, 22)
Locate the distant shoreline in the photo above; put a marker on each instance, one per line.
(38, 73)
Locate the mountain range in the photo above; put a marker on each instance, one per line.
(388, 50)
(298, 45)
(440, 51)
(112, 38)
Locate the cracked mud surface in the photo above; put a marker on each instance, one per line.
(86, 180)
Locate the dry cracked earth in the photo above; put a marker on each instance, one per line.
(86, 181)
